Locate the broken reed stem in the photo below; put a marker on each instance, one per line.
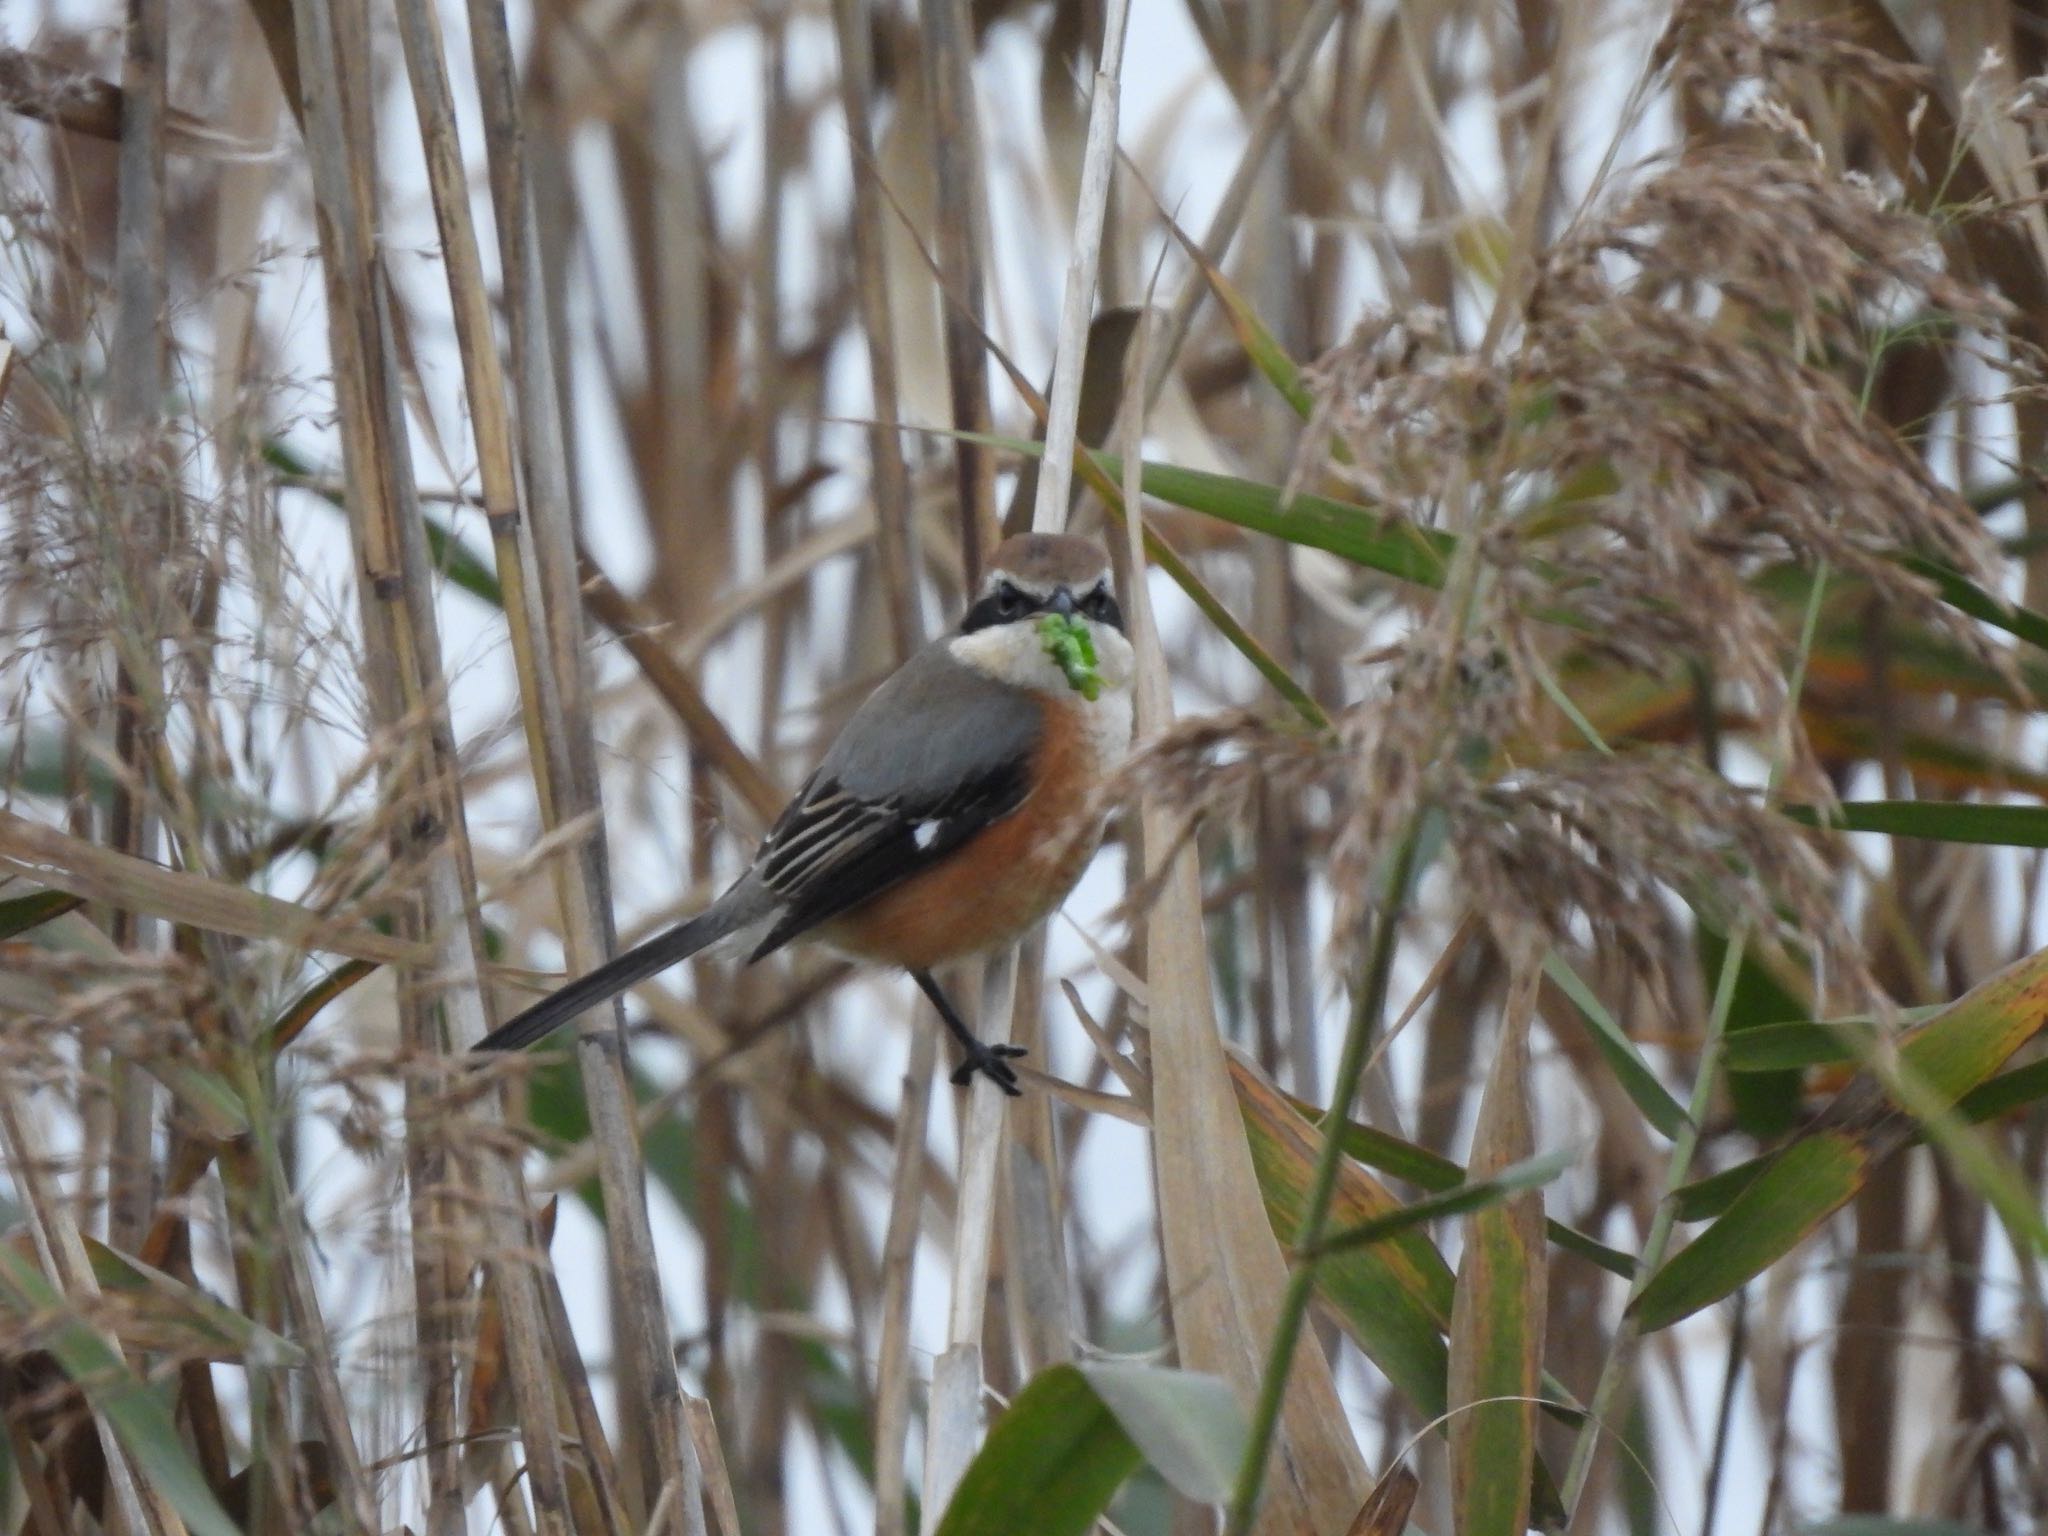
(1610, 1393)
(947, 44)
(1366, 1009)
(895, 527)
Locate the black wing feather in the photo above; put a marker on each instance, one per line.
(830, 850)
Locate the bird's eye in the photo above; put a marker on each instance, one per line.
(1102, 608)
(1009, 601)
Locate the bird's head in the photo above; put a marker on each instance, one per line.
(1047, 618)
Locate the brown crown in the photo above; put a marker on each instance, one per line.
(1046, 560)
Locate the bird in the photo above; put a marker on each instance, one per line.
(955, 809)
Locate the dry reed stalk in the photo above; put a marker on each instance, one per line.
(133, 405)
(770, 377)
(711, 1457)
(599, 1505)
(62, 862)
(543, 451)
(957, 1375)
(1077, 304)
(895, 528)
(419, 31)
(899, 1249)
(897, 553)
(946, 46)
(635, 1270)
(1035, 1253)
(400, 639)
(953, 1412)
(1222, 1269)
(1035, 1258)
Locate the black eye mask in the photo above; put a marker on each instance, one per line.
(1009, 603)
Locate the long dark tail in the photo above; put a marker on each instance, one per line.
(728, 914)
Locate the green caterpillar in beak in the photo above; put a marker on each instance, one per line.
(1072, 649)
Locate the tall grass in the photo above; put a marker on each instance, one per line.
(1551, 1040)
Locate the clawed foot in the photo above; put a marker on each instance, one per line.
(993, 1062)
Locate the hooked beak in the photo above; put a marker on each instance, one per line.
(1061, 602)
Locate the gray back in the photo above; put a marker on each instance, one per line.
(968, 726)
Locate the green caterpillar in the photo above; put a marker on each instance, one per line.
(1072, 649)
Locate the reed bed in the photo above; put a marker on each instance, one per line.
(1551, 1040)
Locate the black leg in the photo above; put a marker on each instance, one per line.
(990, 1060)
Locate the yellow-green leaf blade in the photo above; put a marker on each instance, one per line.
(1394, 1297)
(1799, 1189)
(1496, 1346)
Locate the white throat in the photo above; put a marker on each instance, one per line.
(1016, 654)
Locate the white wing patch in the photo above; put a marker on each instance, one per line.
(925, 833)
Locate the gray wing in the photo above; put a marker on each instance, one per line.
(935, 755)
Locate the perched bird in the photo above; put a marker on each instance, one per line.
(954, 811)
